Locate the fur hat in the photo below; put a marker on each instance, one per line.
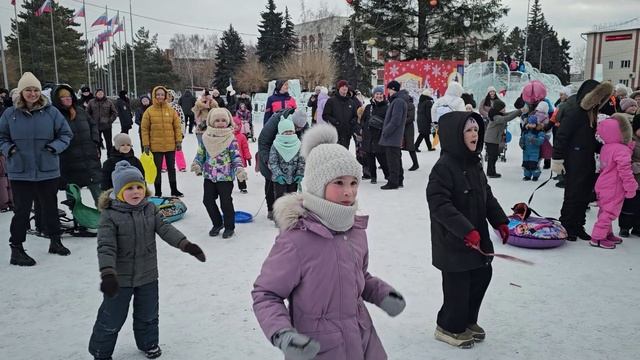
(627, 103)
(325, 160)
(28, 80)
(342, 83)
(393, 85)
(219, 112)
(124, 176)
(121, 139)
(597, 97)
(299, 118)
(621, 89)
(286, 124)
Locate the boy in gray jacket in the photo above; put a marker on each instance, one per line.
(129, 264)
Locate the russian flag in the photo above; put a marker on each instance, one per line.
(118, 29)
(79, 13)
(45, 8)
(13, 2)
(114, 20)
(101, 20)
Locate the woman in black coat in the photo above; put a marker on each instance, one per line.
(424, 120)
(372, 120)
(409, 134)
(123, 105)
(80, 162)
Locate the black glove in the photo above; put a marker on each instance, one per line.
(147, 150)
(109, 285)
(178, 146)
(194, 250)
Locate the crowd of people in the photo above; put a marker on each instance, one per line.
(311, 187)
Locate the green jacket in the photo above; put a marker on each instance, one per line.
(127, 240)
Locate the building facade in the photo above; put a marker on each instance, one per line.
(317, 35)
(613, 55)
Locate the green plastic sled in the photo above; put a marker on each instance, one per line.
(84, 215)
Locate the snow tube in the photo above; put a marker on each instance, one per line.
(171, 208)
(243, 217)
(508, 137)
(536, 232)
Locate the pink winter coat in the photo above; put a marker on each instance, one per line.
(616, 175)
(323, 275)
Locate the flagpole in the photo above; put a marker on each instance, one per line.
(133, 53)
(15, 13)
(106, 10)
(126, 53)
(4, 61)
(86, 39)
(120, 46)
(53, 40)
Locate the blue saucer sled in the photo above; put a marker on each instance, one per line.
(243, 217)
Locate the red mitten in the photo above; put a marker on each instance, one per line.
(504, 232)
(472, 239)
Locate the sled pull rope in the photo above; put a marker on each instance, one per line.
(540, 186)
(503, 256)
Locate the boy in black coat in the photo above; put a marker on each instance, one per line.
(122, 150)
(460, 203)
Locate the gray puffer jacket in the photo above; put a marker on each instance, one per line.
(496, 127)
(127, 240)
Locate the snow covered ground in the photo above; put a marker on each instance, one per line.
(576, 302)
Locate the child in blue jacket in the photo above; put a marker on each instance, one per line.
(531, 140)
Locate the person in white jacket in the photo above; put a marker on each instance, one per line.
(451, 101)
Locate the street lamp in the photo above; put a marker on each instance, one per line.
(541, 44)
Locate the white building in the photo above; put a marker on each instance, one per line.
(613, 55)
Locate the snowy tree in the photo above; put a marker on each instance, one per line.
(230, 55)
(269, 47)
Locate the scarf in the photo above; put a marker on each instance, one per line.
(287, 146)
(215, 140)
(334, 216)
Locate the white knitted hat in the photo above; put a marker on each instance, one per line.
(325, 160)
(28, 80)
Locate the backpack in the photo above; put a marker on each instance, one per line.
(441, 110)
(171, 208)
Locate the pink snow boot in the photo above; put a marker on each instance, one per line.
(616, 240)
(604, 243)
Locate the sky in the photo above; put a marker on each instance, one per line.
(211, 15)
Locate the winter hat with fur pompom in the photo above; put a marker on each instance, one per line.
(325, 161)
(626, 103)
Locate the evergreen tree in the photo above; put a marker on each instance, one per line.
(512, 45)
(230, 56)
(152, 66)
(37, 47)
(389, 24)
(442, 32)
(269, 47)
(289, 37)
(356, 73)
(555, 53)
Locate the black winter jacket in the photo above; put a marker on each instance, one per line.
(187, 102)
(124, 113)
(424, 114)
(110, 164)
(341, 112)
(80, 162)
(460, 199)
(575, 140)
(371, 136)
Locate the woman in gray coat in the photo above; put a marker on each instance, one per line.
(32, 135)
(496, 126)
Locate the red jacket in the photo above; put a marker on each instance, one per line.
(243, 145)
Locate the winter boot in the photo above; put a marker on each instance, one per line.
(227, 233)
(414, 167)
(604, 243)
(56, 247)
(635, 231)
(526, 178)
(477, 332)
(624, 233)
(215, 230)
(583, 234)
(463, 340)
(547, 164)
(494, 175)
(389, 186)
(153, 353)
(616, 240)
(174, 190)
(19, 256)
(535, 178)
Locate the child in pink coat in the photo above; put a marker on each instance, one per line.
(243, 147)
(616, 181)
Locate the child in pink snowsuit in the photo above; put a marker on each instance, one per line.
(616, 181)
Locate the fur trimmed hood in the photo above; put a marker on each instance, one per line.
(615, 130)
(597, 97)
(625, 120)
(288, 210)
